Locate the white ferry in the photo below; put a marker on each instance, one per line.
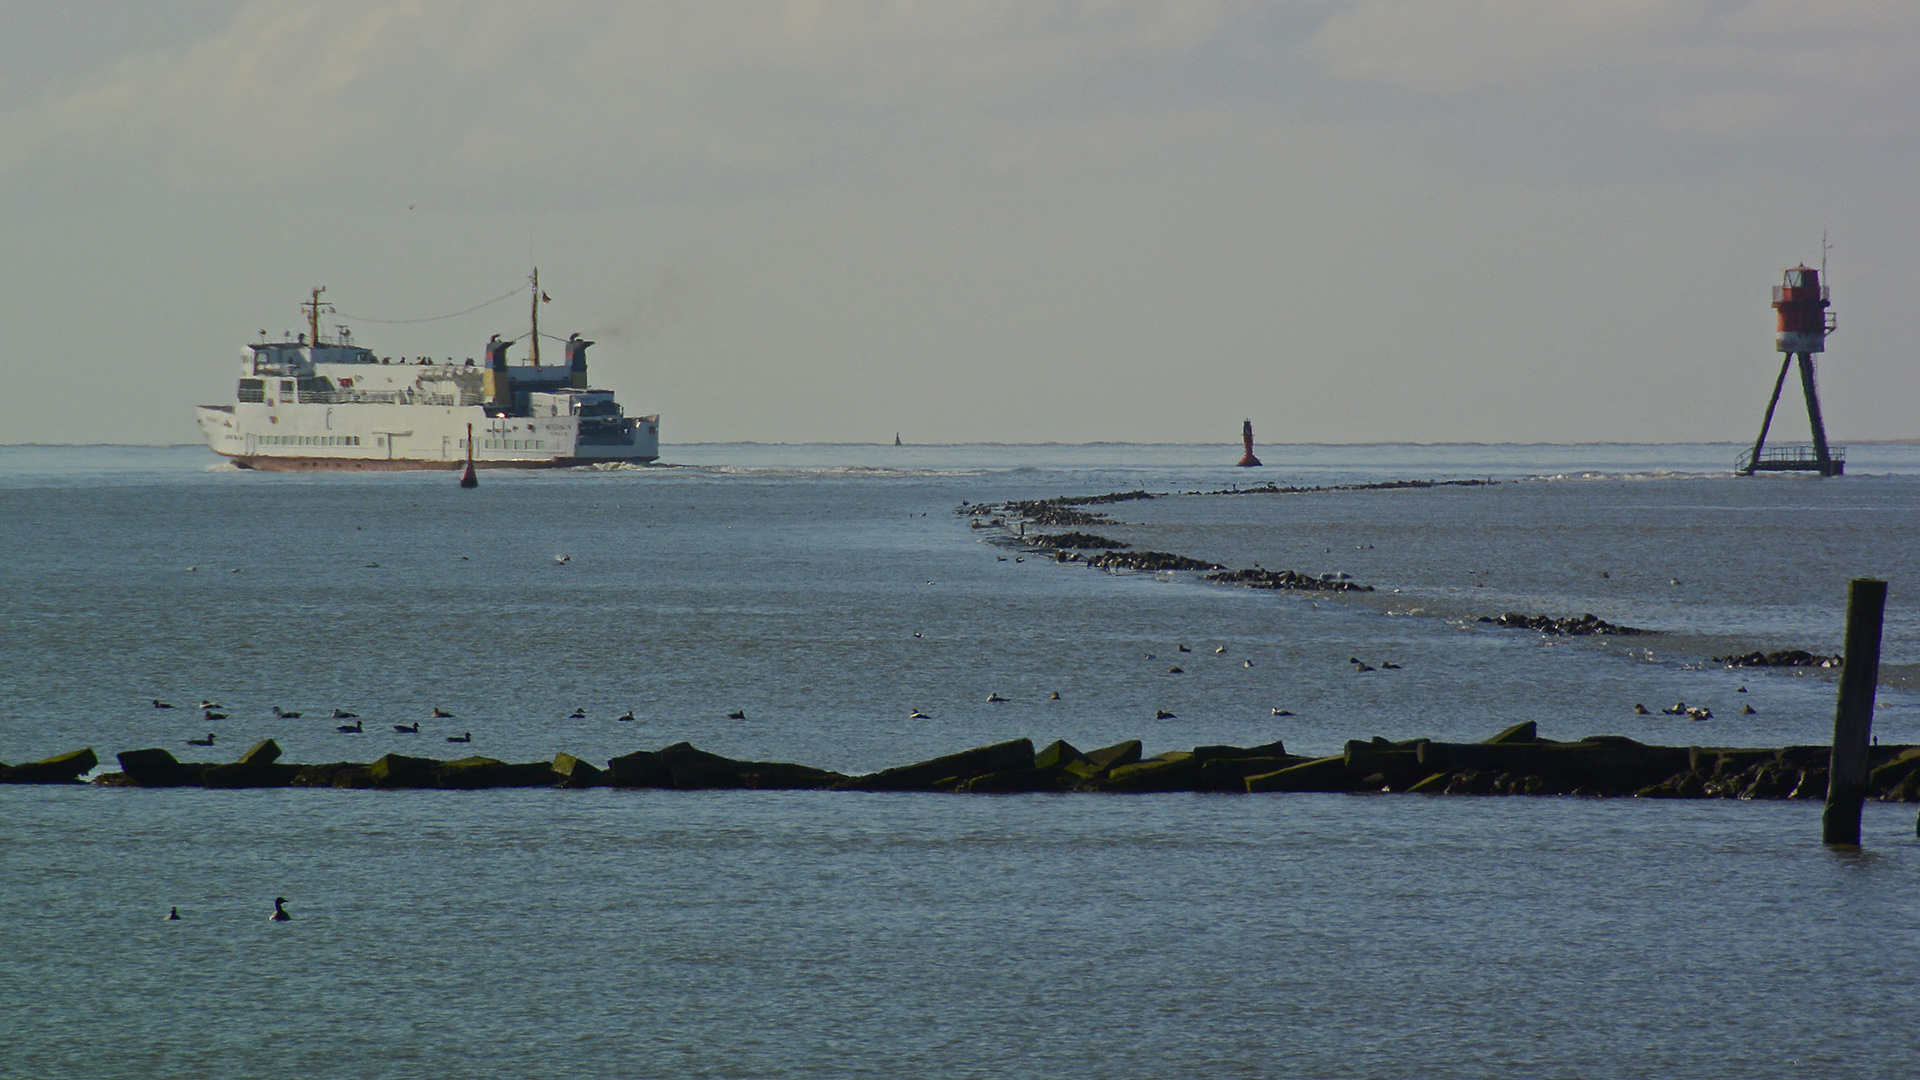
(316, 404)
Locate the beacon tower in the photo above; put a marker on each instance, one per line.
(1802, 323)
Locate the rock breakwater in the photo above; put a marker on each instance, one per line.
(1516, 761)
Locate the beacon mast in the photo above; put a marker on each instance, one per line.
(1802, 322)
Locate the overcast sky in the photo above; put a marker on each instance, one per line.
(1350, 220)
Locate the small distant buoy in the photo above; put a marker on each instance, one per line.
(280, 910)
(1246, 436)
(467, 477)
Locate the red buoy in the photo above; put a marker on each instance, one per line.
(1246, 436)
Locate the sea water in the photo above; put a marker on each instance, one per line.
(829, 592)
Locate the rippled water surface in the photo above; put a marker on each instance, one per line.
(827, 592)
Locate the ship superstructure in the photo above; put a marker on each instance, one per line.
(311, 403)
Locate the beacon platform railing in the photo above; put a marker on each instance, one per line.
(1791, 457)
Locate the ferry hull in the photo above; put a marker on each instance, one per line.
(315, 464)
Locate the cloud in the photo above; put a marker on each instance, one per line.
(475, 88)
(1734, 69)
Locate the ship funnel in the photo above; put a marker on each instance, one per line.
(577, 360)
(498, 390)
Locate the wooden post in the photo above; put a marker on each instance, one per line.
(1853, 718)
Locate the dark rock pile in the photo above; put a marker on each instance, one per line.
(1075, 540)
(1581, 627)
(1381, 485)
(1515, 762)
(1782, 658)
(1148, 560)
(1287, 579)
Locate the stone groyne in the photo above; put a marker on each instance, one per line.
(1517, 761)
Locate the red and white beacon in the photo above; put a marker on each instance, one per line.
(1802, 323)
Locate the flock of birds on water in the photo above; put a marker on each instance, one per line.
(210, 709)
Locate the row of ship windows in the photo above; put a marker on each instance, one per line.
(508, 444)
(310, 440)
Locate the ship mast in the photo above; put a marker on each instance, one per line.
(535, 280)
(313, 308)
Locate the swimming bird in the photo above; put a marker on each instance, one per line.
(280, 910)
(208, 741)
(214, 714)
(1363, 667)
(349, 729)
(1055, 696)
(917, 633)
(1641, 710)
(563, 559)
(158, 704)
(577, 714)
(408, 729)
(468, 737)
(1678, 708)
(206, 704)
(1748, 710)
(1176, 670)
(628, 715)
(1699, 712)
(995, 697)
(1183, 648)
(918, 715)
(1739, 689)
(1246, 663)
(342, 714)
(173, 915)
(1281, 712)
(1353, 660)
(999, 558)
(1221, 651)
(1388, 665)
(737, 714)
(282, 714)
(441, 714)
(1162, 714)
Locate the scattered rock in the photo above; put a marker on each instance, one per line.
(922, 776)
(1076, 540)
(1148, 560)
(1256, 578)
(1780, 658)
(64, 769)
(1584, 626)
